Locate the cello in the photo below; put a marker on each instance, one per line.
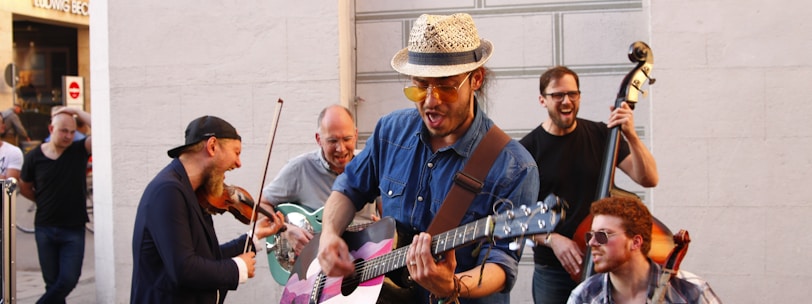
(630, 87)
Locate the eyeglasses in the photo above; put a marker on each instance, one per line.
(442, 92)
(337, 142)
(559, 96)
(602, 237)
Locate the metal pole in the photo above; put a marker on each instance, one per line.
(9, 240)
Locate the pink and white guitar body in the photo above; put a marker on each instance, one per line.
(315, 287)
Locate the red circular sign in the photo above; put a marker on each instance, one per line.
(73, 90)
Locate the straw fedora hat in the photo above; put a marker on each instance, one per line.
(441, 46)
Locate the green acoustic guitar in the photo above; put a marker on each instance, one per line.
(280, 253)
(281, 256)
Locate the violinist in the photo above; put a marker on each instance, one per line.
(568, 150)
(620, 240)
(176, 255)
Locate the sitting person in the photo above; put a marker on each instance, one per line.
(620, 241)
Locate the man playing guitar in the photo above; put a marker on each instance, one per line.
(306, 179)
(411, 159)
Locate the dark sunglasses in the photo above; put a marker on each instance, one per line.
(601, 237)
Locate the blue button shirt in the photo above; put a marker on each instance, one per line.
(399, 165)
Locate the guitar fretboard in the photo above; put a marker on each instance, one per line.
(440, 243)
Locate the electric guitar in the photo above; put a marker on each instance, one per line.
(372, 249)
(281, 255)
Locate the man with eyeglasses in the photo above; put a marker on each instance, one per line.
(412, 156)
(307, 178)
(620, 241)
(570, 150)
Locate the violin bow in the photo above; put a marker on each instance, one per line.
(271, 136)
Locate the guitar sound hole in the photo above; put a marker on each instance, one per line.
(350, 283)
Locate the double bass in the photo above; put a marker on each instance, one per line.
(630, 88)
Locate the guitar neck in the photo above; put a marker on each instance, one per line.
(440, 243)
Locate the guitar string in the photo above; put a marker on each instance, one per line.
(399, 255)
(435, 243)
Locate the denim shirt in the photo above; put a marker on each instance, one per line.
(399, 165)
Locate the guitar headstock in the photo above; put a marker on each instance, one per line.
(524, 221)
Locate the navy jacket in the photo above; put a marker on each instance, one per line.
(176, 255)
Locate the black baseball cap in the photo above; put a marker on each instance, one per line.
(202, 128)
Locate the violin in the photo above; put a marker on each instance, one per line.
(235, 200)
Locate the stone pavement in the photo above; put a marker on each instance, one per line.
(29, 278)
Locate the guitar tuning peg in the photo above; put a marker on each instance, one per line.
(527, 211)
(513, 246)
(651, 81)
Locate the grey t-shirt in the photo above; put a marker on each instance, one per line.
(307, 180)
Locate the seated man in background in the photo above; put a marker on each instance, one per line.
(620, 241)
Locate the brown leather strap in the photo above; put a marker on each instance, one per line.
(468, 182)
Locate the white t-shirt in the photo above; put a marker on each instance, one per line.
(11, 157)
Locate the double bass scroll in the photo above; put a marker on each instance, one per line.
(630, 89)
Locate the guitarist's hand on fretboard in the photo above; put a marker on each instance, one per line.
(436, 277)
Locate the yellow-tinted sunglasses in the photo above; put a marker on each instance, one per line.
(442, 92)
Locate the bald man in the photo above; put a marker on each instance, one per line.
(54, 177)
(307, 178)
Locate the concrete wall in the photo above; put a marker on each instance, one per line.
(732, 141)
(726, 119)
(168, 62)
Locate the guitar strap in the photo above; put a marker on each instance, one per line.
(468, 182)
